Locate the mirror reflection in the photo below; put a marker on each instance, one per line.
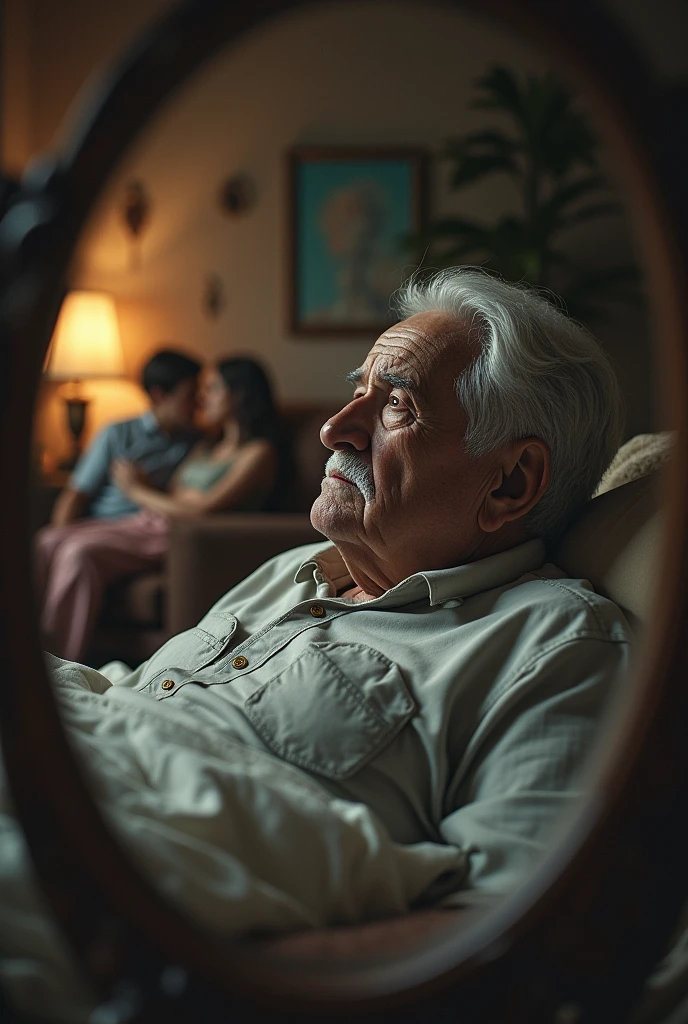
(332, 616)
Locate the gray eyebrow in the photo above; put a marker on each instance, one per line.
(399, 382)
(356, 376)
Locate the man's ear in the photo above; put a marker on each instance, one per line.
(520, 479)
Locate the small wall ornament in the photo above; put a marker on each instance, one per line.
(237, 194)
(214, 299)
(136, 210)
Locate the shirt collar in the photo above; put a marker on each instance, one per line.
(329, 573)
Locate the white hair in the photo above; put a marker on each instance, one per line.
(537, 374)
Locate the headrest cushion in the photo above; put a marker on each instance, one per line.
(614, 543)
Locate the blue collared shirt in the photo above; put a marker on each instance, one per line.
(140, 440)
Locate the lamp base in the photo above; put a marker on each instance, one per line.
(76, 421)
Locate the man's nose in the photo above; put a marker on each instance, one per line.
(346, 430)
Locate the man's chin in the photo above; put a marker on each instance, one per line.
(317, 521)
(335, 519)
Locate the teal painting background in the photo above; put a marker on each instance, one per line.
(316, 181)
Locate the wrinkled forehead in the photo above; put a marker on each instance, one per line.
(422, 345)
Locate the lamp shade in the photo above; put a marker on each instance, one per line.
(86, 341)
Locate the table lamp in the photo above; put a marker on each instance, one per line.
(85, 345)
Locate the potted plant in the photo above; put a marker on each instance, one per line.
(550, 156)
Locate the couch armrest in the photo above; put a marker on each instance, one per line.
(209, 556)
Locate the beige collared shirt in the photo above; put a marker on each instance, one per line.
(459, 706)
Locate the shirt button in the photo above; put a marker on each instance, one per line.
(240, 661)
(167, 684)
(317, 611)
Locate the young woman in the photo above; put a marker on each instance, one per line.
(238, 471)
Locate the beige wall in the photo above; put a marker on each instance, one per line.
(15, 65)
(50, 48)
(314, 77)
(345, 73)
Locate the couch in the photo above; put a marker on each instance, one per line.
(616, 544)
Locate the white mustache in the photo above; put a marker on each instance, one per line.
(354, 469)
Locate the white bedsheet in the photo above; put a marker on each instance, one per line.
(236, 838)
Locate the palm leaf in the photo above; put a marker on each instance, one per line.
(591, 212)
(557, 134)
(566, 195)
(501, 92)
(473, 167)
(486, 141)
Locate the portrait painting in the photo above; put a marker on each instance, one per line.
(351, 210)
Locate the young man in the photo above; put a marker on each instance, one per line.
(76, 558)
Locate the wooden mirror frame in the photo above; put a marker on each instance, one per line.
(573, 943)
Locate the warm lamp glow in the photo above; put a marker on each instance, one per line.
(86, 342)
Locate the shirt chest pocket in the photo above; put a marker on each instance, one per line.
(189, 652)
(333, 709)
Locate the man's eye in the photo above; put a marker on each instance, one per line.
(395, 401)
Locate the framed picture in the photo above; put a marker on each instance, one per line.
(350, 208)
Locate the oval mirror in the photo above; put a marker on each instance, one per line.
(436, 828)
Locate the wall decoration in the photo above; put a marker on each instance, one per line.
(214, 300)
(237, 194)
(136, 210)
(350, 210)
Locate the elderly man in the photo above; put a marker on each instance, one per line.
(395, 717)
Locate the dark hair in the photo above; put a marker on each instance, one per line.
(251, 391)
(254, 408)
(167, 369)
